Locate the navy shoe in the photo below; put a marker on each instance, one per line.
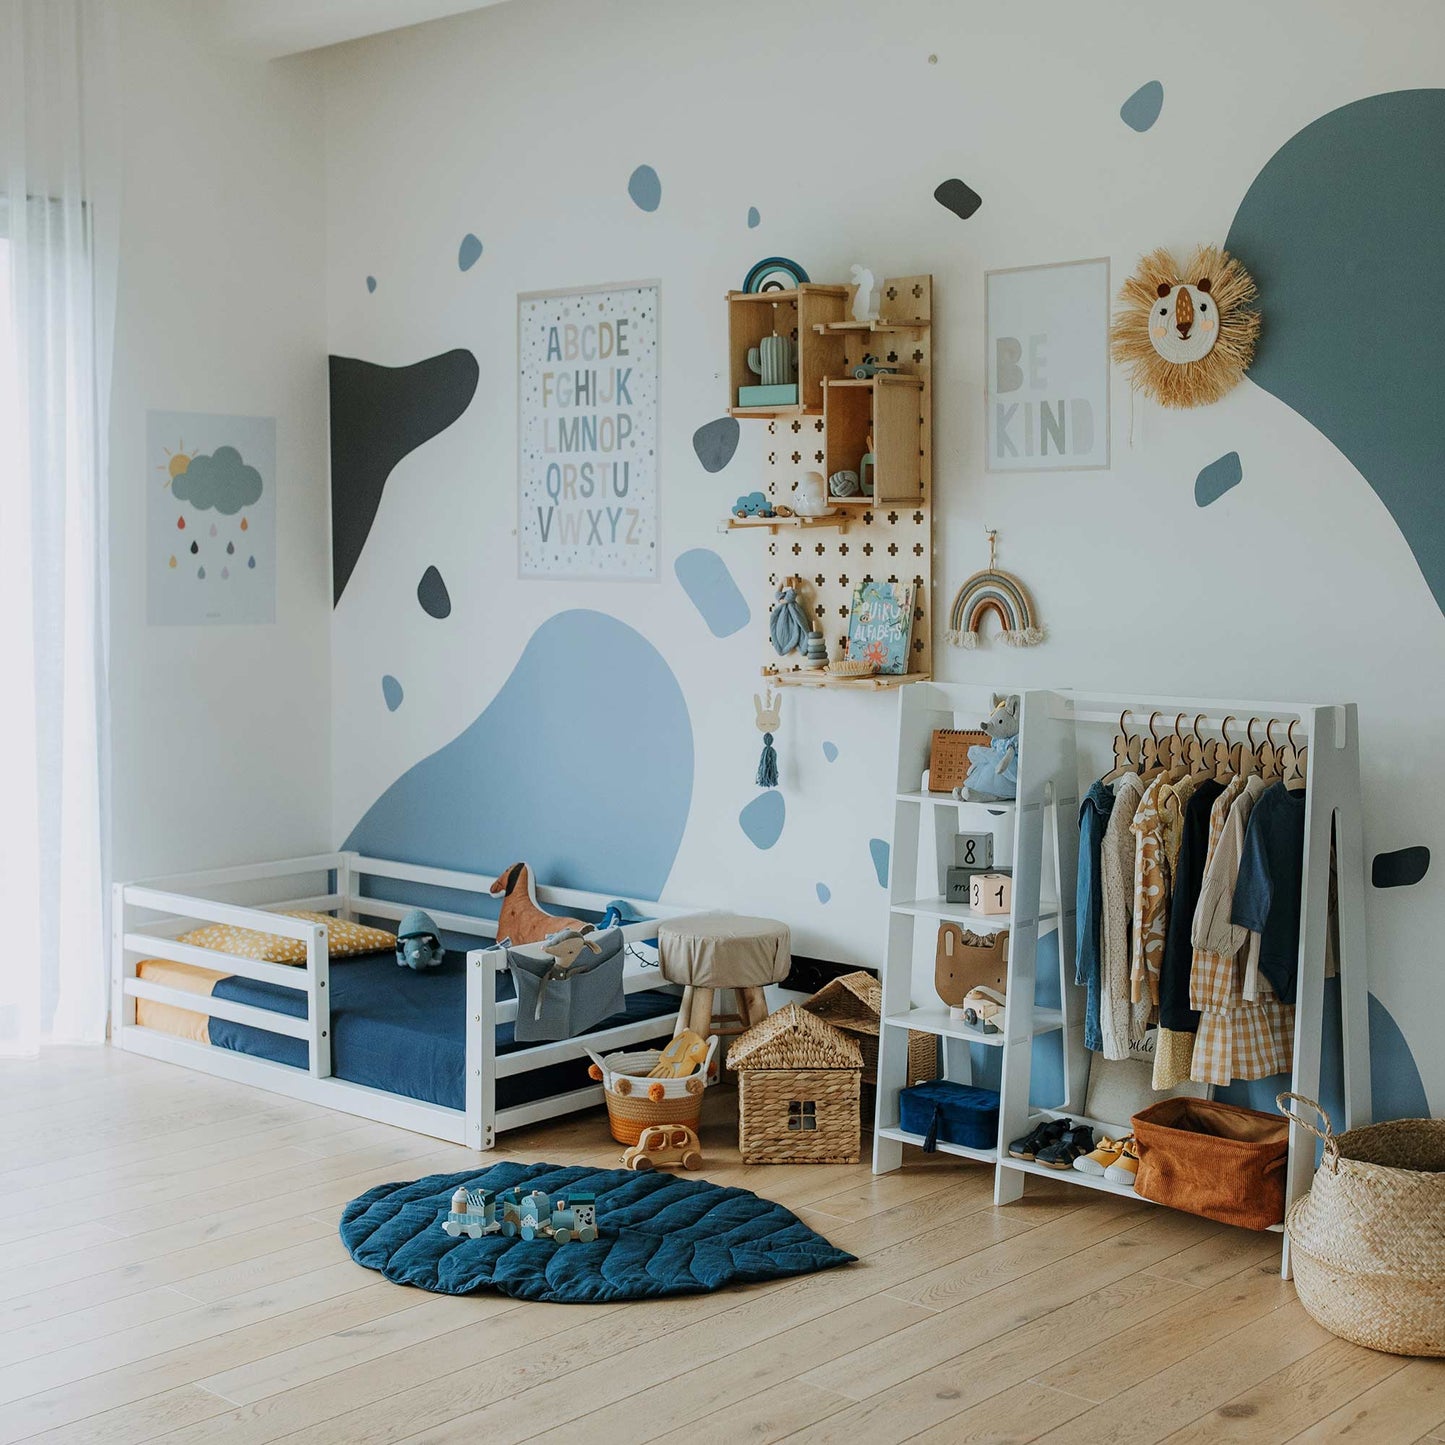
(1043, 1135)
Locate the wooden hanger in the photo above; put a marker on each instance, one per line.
(1178, 762)
(1126, 753)
(1249, 751)
(1296, 761)
(1229, 755)
(1200, 752)
(1271, 765)
(1156, 753)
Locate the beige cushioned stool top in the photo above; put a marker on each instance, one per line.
(724, 950)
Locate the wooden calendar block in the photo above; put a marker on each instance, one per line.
(991, 893)
(973, 850)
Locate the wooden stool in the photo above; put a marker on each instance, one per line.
(712, 951)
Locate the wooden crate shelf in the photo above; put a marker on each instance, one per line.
(752, 316)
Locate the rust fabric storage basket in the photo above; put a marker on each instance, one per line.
(1214, 1159)
(1367, 1243)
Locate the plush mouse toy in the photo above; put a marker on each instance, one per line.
(419, 942)
(993, 771)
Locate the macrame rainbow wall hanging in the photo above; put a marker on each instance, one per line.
(1001, 593)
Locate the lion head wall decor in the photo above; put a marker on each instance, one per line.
(1186, 333)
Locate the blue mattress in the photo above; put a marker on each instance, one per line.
(401, 1031)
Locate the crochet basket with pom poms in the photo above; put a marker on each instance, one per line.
(635, 1101)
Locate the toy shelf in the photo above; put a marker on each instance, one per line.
(937, 1020)
(944, 911)
(902, 1136)
(774, 524)
(753, 316)
(889, 409)
(877, 682)
(886, 536)
(947, 800)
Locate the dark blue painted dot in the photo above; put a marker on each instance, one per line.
(1401, 868)
(958, 197)
(391, 690)
(371, 283)
(878, 851)
(469, 252)
(230, 549)
(1142, 108)
(762, 820)
(251, 563)
(824, 892)
(645, 188)
(195, 547)
(1217, 478)
(201, 573)
(432, 593)
(753, 218)
(715, 442)
(830, 751)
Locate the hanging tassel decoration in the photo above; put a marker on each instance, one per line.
(768, 764)
(769, 710)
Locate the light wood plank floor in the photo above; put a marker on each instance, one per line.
(170, 1270)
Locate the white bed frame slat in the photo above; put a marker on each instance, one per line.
(181, 902)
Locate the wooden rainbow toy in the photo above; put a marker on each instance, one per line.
(1001, 593)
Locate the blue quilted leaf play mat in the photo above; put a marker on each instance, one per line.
(658, 1235)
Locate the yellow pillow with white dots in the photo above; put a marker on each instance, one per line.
(344, 939)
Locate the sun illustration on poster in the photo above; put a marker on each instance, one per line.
(177, 462)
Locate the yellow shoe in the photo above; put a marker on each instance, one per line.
(1105, 1153)
(1126, 1166)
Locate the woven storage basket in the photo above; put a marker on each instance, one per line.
(631, 1105)
(1367, 1243)
(852, 1002)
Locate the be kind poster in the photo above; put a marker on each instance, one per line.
(587, 433)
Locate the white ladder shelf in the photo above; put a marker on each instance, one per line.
(1042, 834)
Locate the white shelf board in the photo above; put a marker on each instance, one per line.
(984, 1156)
(1072, 1176)
(938, 907)
(947, 800)
(936, 1020)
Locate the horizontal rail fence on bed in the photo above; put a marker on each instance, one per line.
(148, 918)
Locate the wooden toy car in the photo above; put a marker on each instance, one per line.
(871, 366)
(664, 1144)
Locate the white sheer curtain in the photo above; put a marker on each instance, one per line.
(58, 228)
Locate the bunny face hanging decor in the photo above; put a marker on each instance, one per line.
(1186, 333)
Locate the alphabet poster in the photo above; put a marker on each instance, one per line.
(587, 433)
(1046, 396)
(210, 485)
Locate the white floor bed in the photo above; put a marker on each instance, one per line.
(149, 916)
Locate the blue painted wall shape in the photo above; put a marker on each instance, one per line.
(711, 588)
(1342, 230)
(557, 770)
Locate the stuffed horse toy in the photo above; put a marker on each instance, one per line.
(521, 919)
(993, 771)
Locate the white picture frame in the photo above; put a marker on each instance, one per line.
(587, 474)
(1046, 367)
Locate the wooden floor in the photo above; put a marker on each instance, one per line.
(170, 1270)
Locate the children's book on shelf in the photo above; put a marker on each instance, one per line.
(880, 625)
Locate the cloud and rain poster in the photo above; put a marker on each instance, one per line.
(210, 519)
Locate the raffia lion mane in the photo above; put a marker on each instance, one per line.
(1190, 383)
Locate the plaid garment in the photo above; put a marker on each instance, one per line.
(1237, 1038)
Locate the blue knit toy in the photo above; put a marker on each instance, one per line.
(419, 942)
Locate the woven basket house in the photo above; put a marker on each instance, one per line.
(853, 1002)
(798, 1086)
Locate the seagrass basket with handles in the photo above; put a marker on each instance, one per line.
(1367, 1243)
(635, 1101)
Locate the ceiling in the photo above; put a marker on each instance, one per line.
(269, 29)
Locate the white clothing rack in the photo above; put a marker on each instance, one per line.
(1051, 725)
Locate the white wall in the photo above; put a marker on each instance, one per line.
(523, 123)
(220, 734)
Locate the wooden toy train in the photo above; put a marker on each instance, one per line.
(530, 1215)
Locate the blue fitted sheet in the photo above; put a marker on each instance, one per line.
(404, 1032)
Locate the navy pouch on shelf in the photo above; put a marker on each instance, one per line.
(952, 1113)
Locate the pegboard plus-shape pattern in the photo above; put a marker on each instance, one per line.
(887, 541)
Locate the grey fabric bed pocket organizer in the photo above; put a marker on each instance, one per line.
(568, 984)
